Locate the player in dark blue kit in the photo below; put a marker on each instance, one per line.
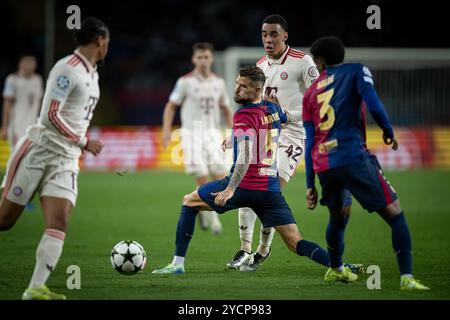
(254, 177)
(334, 119)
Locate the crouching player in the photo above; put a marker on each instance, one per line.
(254, 179)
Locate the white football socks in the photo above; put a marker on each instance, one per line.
(265, 240)
(177, 261)
(247, 218)
(47, 255)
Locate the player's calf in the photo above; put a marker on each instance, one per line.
(295, 243)
(9, 213)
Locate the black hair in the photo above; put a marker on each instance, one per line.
(276, 19)
(91, 28)
(329, 48)
(203, 46)
(255, 74)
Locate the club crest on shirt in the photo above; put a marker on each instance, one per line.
(313, 72)
(17, 191)
(284, 75)
(63, 82)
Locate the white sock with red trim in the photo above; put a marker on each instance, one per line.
(47, 255)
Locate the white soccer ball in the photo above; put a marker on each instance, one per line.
(128, 257)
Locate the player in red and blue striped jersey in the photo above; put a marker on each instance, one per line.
(334, 118)
(254, 179)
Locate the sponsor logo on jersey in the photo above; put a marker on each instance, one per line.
(284, 75)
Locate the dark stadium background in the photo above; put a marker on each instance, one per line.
(151, 40)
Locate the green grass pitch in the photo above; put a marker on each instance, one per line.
(145, 206)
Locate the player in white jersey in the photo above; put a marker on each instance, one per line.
(46, 159)
(289, 73)
(203, 97)
(22, 94)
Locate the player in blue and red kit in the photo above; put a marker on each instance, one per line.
(254, 177)
(334, 118)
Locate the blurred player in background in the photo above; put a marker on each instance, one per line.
(22, 96)
(336, 151)
(202, 96)
(289, 73)
(253, 181)
(45, 160)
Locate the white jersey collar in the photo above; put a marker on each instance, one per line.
(281, 59)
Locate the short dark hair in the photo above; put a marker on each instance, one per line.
(91, 28)
(330, 48)
(255, 74)
(203, 46)
(276, 19)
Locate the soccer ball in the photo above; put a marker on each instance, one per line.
(128, 257)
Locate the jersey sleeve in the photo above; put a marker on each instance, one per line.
(282, 114)
(364, 83)
(308, 123)
(179, 92)
(8, 89)
(61, 82)
(308, 72)
(364, 79)
(306, 110)
(245, 126)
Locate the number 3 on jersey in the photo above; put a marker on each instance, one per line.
(326, 110)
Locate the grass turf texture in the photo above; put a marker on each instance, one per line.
(145, 207)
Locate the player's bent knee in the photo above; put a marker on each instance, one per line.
(188, 200)
(5, 225)
(193, 200)
(391, 211)
(9, 213)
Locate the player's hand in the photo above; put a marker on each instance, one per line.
(311, 198)
(222, 197)
(166, 137)
(272, 97)
(94, 146)
(387, 140)
(226, 144)
(3, 133)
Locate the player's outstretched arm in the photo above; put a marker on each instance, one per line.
(378, 112)
(169, 114)
(240, 169)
